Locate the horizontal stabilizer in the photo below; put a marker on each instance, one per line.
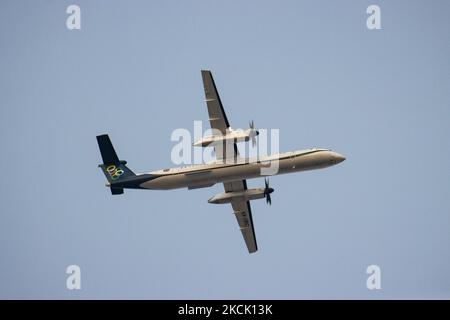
(116, 190)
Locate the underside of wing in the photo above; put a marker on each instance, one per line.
(217, 118)
(226, 151)
(243, 214)
(216, 113)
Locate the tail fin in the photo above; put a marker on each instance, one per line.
(113, 168)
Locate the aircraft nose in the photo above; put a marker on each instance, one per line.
(339, 157)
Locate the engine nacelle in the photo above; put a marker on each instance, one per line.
(246, 195)
(232, 136)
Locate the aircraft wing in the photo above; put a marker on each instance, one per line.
(243, 214)
(217, 117)
(218, 120)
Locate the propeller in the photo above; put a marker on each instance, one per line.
(268, 191)
(253, 132)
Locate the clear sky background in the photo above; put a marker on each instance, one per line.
(309, 68)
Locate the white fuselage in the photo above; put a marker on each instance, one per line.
(205, 175)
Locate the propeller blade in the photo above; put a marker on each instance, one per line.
(253, 132)
(267, 191)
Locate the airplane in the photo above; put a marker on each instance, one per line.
(233, 174)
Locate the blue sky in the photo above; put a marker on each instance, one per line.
(311, 69)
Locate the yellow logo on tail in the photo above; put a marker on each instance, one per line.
(114, 172)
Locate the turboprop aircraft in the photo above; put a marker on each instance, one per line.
(229, 167)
